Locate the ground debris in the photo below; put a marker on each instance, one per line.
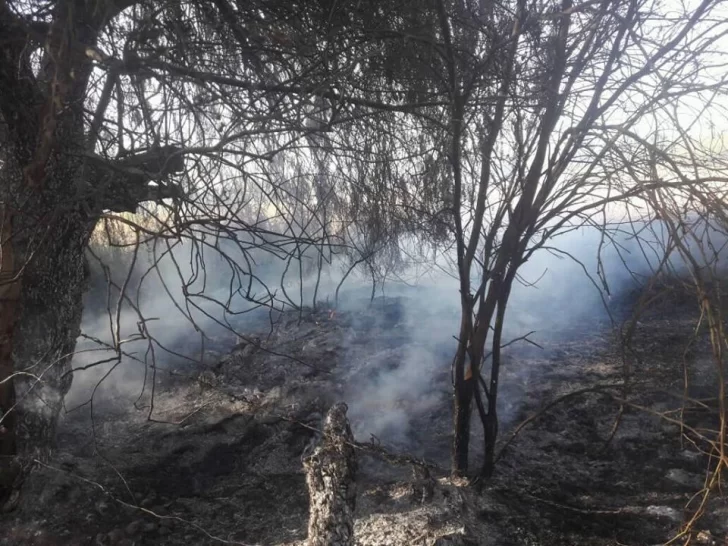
(330, 476)
(227, 460)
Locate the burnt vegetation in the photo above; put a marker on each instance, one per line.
(338, 272)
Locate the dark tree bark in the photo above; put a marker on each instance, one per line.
(46, 223)
(463, 394)
(52, 192)
(330, 475)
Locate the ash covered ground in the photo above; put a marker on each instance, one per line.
(217, 459)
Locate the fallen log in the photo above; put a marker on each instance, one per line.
(330, 476)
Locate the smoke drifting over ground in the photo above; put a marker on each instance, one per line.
(563, 287)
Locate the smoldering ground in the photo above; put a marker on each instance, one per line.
(190, 309)
(179, 307)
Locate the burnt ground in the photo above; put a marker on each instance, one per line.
(220, 460)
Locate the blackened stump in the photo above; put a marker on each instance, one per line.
(330, 476)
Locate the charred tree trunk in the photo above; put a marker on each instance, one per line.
(462, 412)
(330, 475)
(46, 221)
(49, 241)
(41, 306)
(490, 420)
(468, 363)
(52, 191)
(490, 433)
(9, 296)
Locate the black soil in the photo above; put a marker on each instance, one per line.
(219, 461)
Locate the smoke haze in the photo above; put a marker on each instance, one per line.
(390, 390)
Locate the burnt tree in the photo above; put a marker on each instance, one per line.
(541, 121)
(84, 132)
(53, 190)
